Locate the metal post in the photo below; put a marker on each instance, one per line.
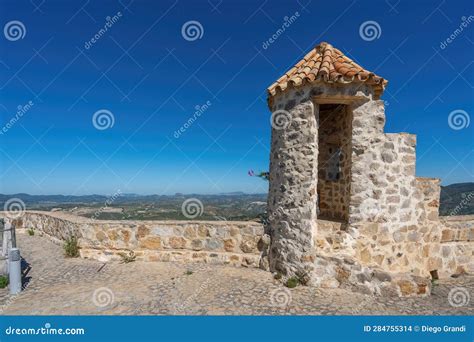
(6, 245)
(14, 259)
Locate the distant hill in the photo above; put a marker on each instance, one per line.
(226, 206)
(457, 199)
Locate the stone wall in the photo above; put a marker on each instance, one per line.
(383, 171)
(392, 223)
(235, 243)
(292, 200)
(293, 189)
(393, 216)
(334, 162)
(456, 245)
(448, 247)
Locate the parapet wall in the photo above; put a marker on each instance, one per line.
(235, 243)
(419, 243)
(383, 188)
(445, 245)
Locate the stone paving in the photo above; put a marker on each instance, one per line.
(56, 285)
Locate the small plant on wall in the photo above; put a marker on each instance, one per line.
(71, 247)
(292, 282)
(3, 281)
(128, 257)
(31, 232)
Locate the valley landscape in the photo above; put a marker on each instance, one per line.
(456, 199)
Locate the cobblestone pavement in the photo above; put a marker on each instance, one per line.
(62, 286)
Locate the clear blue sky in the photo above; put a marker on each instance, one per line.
(151, 79)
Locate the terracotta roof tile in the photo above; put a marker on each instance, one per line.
(328, 64)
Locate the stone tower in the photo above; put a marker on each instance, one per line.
(331, 161)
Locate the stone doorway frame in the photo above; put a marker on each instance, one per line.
(334, 187)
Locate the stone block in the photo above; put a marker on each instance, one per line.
(447, 235)
(177, 242)
(214, 244)
(248, 244)
(151, 242)
(142, 231)
(197, 244)
(434, 263)
(162, 231)
(382, 276)
(406, 287)
(229, 245)
(190, 232)
(365, 256)
(203, 231)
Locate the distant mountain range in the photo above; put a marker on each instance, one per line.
(225, 206)
(117, 198)
(456, 199)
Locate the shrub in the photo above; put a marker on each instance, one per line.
(292, 282)
(31, 232)
(188, 272)
(71, 247)
(3, 281)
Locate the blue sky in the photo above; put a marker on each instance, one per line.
(151, 79)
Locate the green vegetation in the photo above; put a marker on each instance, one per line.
(188, 272)
(31, 232)
(457, 199)
(292, 282)
(230, 206)
(3, 281)
(71, 247)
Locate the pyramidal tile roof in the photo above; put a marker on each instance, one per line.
(327, 64)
